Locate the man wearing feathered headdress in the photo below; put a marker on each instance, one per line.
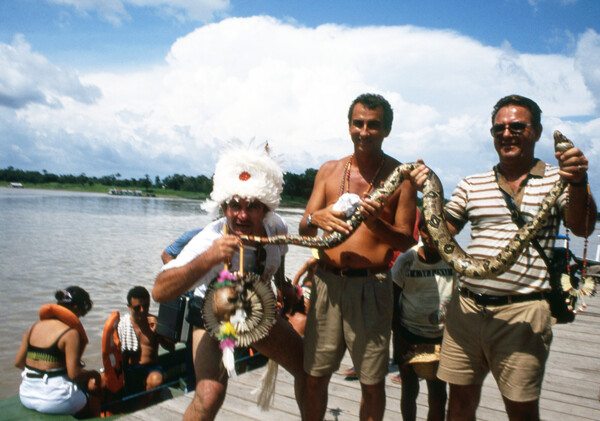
(247, 185)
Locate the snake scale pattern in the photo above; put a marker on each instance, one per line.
(433, 209)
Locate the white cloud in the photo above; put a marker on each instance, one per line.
(292, 85)
(587, 61)
(115, 11)
(27, 77)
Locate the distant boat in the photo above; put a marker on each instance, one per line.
(15, 185)
(125, 192)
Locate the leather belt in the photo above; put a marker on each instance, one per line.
(48, 374)
(500, 300)
(352, 272)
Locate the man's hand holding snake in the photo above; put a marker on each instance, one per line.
(573, 165)
(330, 220)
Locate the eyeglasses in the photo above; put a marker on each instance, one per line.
(514, 128)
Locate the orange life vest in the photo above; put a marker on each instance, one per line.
(112, 358)
(55, 311)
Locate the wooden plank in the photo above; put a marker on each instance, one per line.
(570, 389)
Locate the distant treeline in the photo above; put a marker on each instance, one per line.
(295, 186)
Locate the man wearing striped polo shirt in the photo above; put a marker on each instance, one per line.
(503, 324)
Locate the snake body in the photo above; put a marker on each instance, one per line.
(433, 209)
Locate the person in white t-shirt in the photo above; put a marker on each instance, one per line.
(246, 186)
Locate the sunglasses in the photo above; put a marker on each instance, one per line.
(513, 128)
(139, 307)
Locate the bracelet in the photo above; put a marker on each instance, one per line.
(582, 183)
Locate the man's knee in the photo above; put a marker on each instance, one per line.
(154, 379)
(517, 411)
(208, 398)
(316, 382)
(373, 389)
(463, 402)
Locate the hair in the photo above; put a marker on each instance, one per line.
(372, 101)
(74, 296)
(531, 105)
(138, 292)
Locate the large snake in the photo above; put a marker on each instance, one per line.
(433, 209)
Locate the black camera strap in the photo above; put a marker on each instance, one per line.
(519, 222)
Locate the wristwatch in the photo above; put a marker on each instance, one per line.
(309, 221)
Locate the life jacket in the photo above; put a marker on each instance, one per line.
(55, 311)
(112, 357)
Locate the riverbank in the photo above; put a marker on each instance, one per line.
(286, 201)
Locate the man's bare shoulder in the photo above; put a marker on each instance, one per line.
(332, 166)
(391, 162)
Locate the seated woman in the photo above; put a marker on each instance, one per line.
(54, 381)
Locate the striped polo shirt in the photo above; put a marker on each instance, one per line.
(477, 199)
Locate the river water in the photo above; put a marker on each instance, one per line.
(105, 244)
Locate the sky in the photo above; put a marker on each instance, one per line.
(159, 87)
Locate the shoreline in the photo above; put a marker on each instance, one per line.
(151, 193)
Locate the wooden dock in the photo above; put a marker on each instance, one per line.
(571, 389)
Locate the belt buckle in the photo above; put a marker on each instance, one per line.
(344, 271)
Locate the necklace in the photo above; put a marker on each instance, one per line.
(345, 186)
(586, 285)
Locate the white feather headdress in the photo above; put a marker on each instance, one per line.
(247, 171)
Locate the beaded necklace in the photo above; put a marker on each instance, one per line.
(346, 177)
(587, 285)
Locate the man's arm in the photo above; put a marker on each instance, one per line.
(307, 269)
(279, 277)
(173, 249)
(581, 211)
(165, 342)
(171, 283)
(323, 216)
(399, 234)
(166, 258)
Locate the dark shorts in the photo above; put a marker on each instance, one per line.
(194, 315)
(420, 352)
(135, 376)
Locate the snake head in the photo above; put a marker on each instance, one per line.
(561, 143)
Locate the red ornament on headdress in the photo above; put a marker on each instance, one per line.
(244, 176)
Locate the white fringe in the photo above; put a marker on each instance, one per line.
(229, 362)
(266, 388)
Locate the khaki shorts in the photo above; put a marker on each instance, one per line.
(512, 341)
(353, 313)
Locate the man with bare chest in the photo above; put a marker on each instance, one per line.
(139, 343)
(351, 299)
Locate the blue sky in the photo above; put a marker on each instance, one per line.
(158, 86)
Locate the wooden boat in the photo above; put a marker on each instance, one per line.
(177, 377)
(175, 384)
